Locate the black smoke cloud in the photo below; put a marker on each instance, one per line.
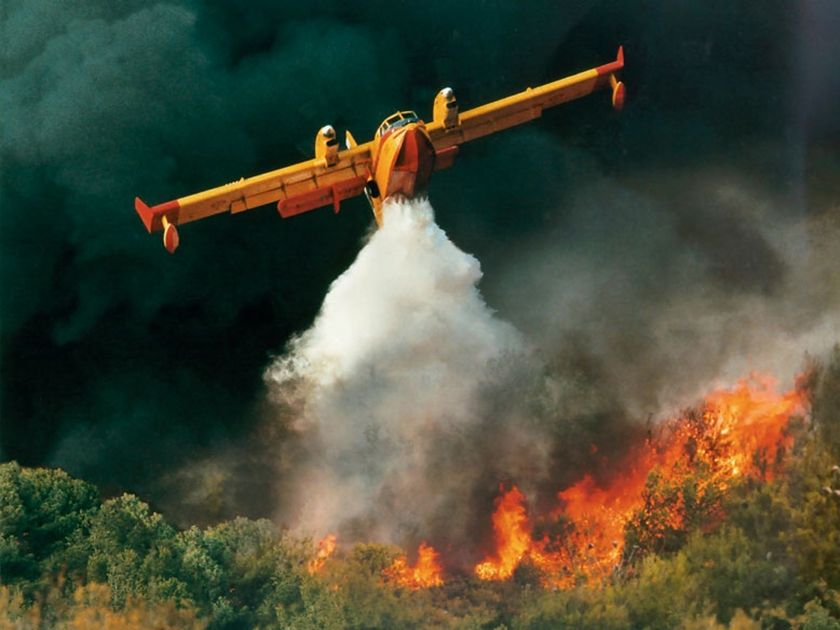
(620, 245)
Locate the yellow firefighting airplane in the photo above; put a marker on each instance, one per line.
(398, 161)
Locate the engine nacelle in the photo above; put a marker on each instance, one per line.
(326, 145)
(446, 109)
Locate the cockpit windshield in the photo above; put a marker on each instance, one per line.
(395, 121)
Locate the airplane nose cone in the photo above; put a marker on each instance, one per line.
(417, 153)
(414, 164)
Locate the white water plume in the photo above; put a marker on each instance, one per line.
(388, 390)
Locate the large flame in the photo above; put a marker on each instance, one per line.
(740, 432)
(512, 533)
(425, 573)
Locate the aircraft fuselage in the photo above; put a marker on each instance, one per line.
(403, 161)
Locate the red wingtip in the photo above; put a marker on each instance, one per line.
(145, 212)
(613, 66)
(153, 217)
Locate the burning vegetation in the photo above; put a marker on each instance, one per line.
(425, 573)
(727, 513)
(326, 547)
(673, 482)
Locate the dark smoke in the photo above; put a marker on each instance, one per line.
(643, 255)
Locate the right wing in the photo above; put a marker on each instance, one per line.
(527, 105)
(296, 189)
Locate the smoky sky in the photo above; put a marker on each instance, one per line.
(633, 249)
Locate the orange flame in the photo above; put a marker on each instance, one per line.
(512, 533)
(426, 572)
(740, 432)
(326, 547)
(752, 421)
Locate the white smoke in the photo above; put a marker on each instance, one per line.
(389, 389)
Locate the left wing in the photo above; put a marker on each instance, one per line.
(296, 189)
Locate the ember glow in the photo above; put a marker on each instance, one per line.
(425, 573)
(683, 469)
(326, 547)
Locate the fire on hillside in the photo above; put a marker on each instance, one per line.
(675, 481)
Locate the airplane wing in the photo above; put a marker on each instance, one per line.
(296, 189)
(520, 108)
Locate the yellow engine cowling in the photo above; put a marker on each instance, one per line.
(326, 145)
(446, 109)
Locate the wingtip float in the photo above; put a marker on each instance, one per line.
(398, 161)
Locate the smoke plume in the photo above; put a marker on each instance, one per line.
(387, 391)
(641, 255)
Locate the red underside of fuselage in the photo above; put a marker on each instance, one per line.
(413, 165)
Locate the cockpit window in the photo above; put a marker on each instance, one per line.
(395, 121)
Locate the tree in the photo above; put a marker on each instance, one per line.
(134, 551)
(244, 573)
(826, 406)
(42, 511)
